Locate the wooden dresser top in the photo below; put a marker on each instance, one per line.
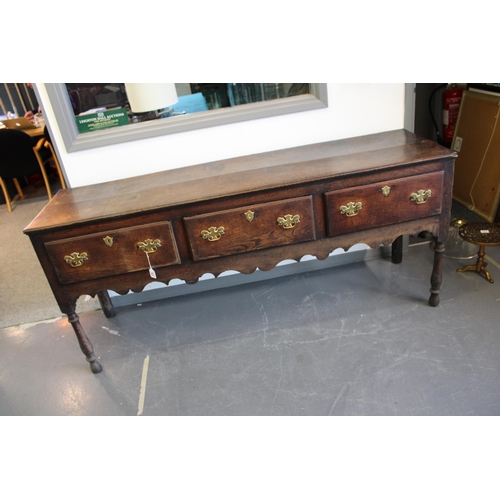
(234, 176)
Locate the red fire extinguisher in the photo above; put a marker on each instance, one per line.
(452, 98)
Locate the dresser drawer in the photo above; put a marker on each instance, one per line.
(113, 252)
(384, 203)
(250, 228)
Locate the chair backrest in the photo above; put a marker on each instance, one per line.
(50, 146)
(17, 157)
(46, 134)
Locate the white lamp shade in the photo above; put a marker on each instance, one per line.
(145, 97)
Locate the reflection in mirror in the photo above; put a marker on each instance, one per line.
(89, 98)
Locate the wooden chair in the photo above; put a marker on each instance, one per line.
(46, 142)
(18, 159)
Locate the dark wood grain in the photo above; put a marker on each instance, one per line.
(236, 176)
(241, 235)
(380, 210)
(121, 256)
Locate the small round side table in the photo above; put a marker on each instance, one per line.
(483, 234)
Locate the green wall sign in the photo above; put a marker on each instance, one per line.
(102, 120)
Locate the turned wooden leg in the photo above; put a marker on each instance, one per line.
(437, 273)
(106, 304)
(397, 250)
(85, 345)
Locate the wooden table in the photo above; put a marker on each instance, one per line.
(34, 132)
(483, 234)
(240, 214)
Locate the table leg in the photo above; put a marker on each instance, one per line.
(106, 304)
(85, 344)
(479, 266)
(397, 250)
(437, 273)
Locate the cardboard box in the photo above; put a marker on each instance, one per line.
(477, 142)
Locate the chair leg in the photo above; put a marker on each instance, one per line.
(46, 180)
(6, 195)
(36, 150)
(61, 176)
(18, 187)
(58, 167)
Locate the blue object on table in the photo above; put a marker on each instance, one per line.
(192, 103)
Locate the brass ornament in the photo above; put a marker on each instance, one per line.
(420, 196)
(385, 190)
(108, 240)
(249, 215)
(288, 221)
(458, 222)
(351, 209)
(76, 259)
(149, 246)
(212, 233)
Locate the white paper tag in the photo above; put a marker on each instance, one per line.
(151, 270)
(458, 144)
(485, 231)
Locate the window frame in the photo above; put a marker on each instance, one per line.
(76, 141)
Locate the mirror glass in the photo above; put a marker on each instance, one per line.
(88, 98)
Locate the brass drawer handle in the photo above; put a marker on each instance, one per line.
(76, 259)
(421, 196)
(212, 233)
(351, 209)
(288, 221)
(149, 246)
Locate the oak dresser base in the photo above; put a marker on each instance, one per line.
(242, 214)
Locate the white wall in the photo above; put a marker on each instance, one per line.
(353, 110)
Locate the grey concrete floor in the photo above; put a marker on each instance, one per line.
(359, 339)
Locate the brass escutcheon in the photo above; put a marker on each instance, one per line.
(76, 259)
(108, 240)
(149, 246)
(420, 196)
(249, 215)
(385, 190)
(212, 233)
(351, 209)
(288, 221)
